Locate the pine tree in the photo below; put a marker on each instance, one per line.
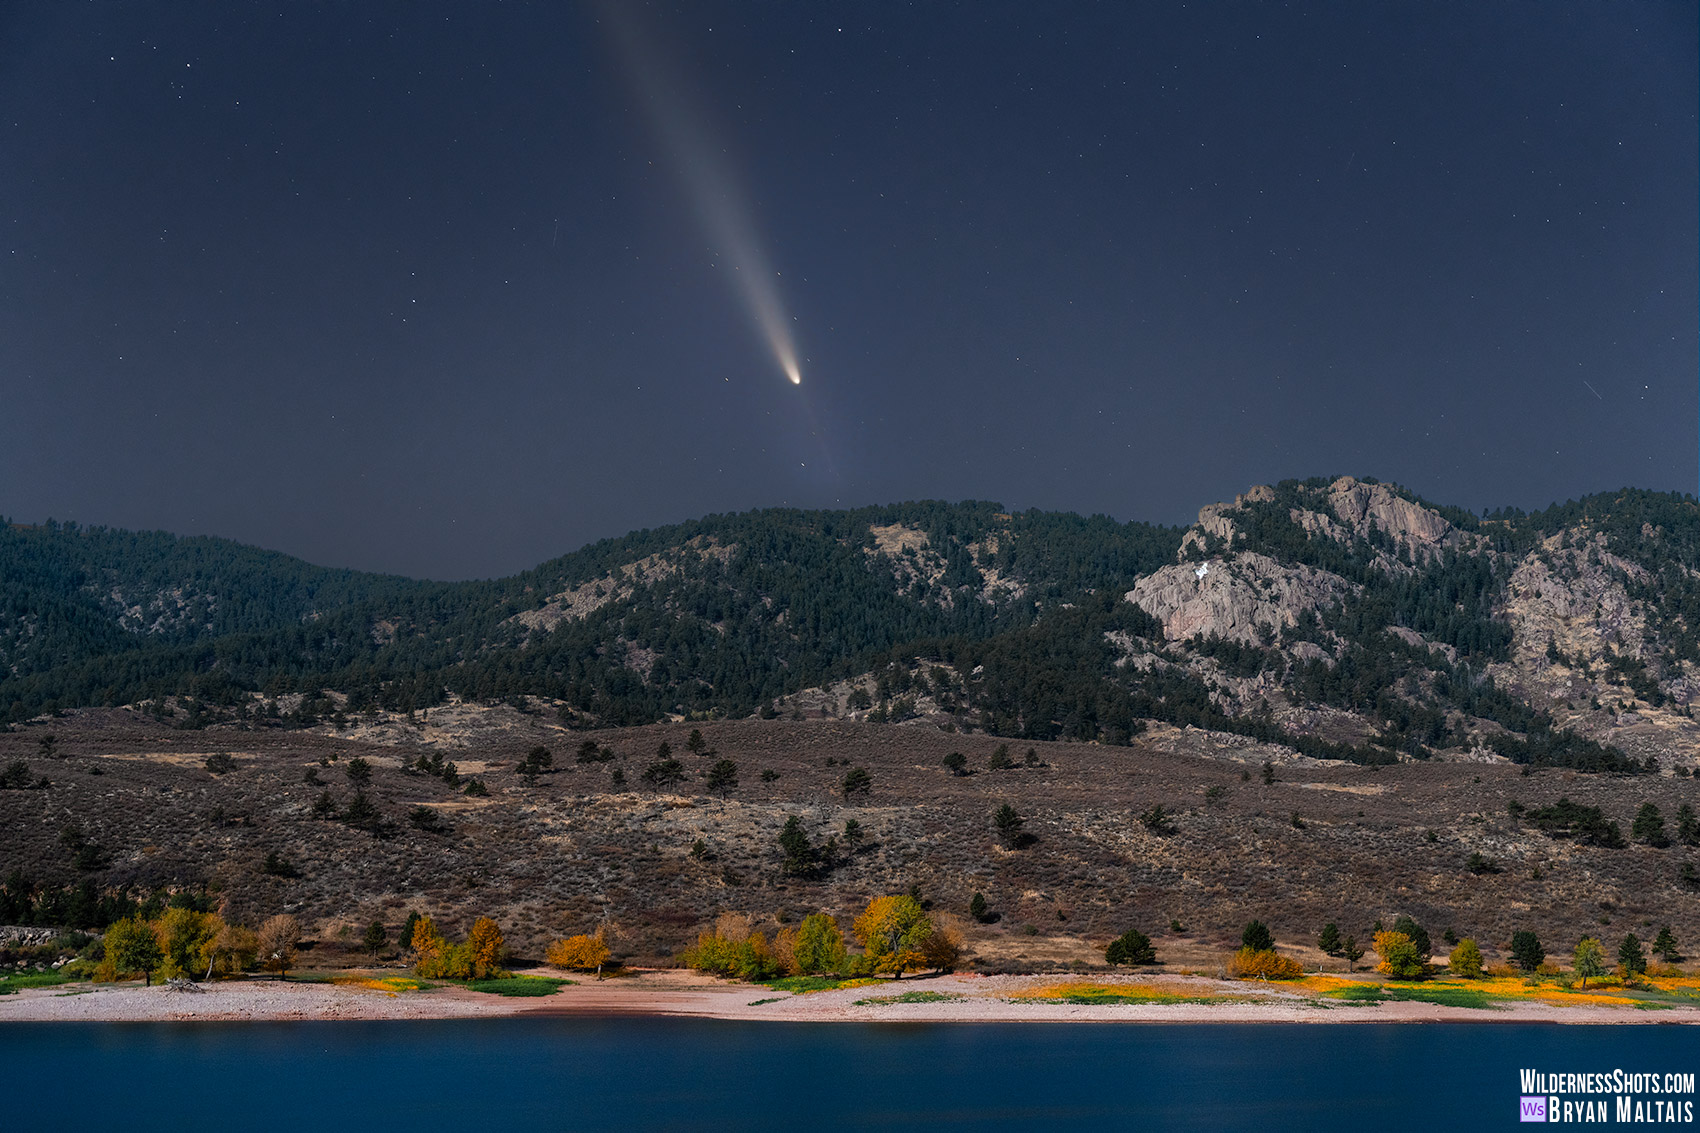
(1257, 937)
(1665, 945)
(1649, 826)
(1329, 940)
(1631, 959)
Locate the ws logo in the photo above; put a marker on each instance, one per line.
(1531, 1109)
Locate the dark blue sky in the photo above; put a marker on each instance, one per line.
(420, 287)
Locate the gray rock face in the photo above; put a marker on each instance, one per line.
(1358, 508)
(1239, 598)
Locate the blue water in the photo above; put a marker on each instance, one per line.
(678, 1074)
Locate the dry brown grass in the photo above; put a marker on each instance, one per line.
(571, 854)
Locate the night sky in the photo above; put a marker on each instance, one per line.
(448, 290)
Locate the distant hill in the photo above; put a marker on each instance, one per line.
(1342, 618)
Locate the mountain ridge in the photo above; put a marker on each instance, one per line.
(1346, 618)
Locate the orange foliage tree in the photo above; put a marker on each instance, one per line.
(1264, 964)
(897, 936)
(583, 953)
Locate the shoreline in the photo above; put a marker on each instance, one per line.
(958, 998)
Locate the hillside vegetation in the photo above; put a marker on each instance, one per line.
(1343, 619)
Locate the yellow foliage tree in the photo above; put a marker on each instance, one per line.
(488, 949)
(183, 935)
(1466, 959)
(1264, 964)
(230, 951)
(278, 937)
(896, 934)
(1399, 956)
(583, 953)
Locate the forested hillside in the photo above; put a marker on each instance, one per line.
(1345, 619)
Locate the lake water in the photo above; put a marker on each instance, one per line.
(681, 1074)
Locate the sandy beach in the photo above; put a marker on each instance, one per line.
(964, 998)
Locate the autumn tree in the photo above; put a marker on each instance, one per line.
(487, 949)
(231, 951)
(586, 952)
(818, 948)
(183, 936)
(1263, 964)
(894, 932)
(278, 938)
(1466, 959)
(1589, 960)
(1400, 957)
(131, 946)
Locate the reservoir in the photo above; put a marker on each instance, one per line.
(541, 1073)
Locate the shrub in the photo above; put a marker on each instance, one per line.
(220, 763)
(1400, 957)
(582, 953)
(956, 763)
(1466, 959)
(1132, 948)
(1264, 964)
(1157, 821)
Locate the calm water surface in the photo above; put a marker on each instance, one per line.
(681, 1074)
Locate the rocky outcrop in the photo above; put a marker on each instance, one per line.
(581, 601)
(1359, 508)
(1242, 598)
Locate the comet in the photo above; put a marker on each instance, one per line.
(715, 193)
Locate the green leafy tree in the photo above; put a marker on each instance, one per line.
(1589, 960)
(1132, 948)
(132, 947)
(723, 777)
(1526, 950)
(1257, 937)
(1631, 958)
(819, 946)
(1466, 959)
(1649, 827)
(1329, 941)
